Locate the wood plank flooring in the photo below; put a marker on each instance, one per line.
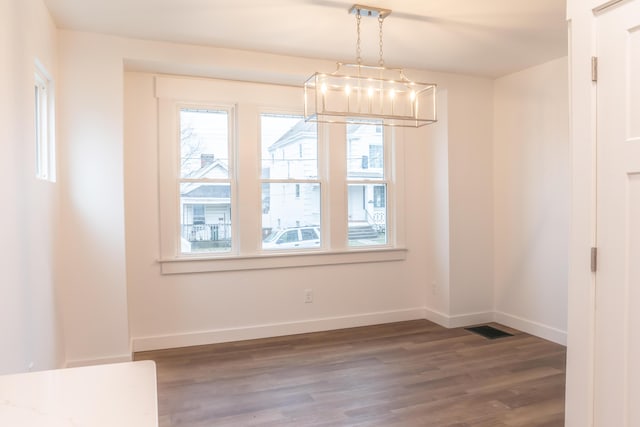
(412, 373)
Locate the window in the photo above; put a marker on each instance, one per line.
(205, 180)
(290, 183)
(245, 180)
(367, 185)
(44, 124)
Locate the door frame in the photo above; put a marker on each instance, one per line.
(581, 284)
(582, 16)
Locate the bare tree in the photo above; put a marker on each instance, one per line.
(190, 149)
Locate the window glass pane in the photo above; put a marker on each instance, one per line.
(38, 131)
(44, 138)
(367, 214)
(204, 144)
(365, 152)
(288, 221)
(205, 213)
(289, 147)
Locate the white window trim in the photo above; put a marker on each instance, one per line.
(321, 180)
(247, 253)
(231, 180)
(44, 117)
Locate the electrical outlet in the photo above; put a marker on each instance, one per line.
(308, 296)
(30, 366)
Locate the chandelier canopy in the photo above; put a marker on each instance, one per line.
(358, 93)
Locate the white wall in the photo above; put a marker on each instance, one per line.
(460, 208)
(92, 266)
(30, 332)
(110, 299)
(436, 177)
(532, 199)
(192, 309)
(110, 204)
(470, 121)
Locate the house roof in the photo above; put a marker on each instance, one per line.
(302, 130)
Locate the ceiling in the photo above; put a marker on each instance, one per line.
(481, 37)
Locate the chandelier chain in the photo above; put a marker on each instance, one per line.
(358, 51)
(380, 21)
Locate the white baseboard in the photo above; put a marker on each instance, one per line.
(534, 328)
(326, 324)
(437, 317)
(273, 330)
(98, 361)
(470, 319)
(458, 320)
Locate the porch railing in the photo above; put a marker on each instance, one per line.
(206, 232)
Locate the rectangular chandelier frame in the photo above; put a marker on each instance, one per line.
(358, 94)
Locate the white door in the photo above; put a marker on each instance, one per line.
(617, 323)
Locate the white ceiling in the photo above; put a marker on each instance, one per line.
(482, 37)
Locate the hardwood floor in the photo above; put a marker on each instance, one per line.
(412, 373)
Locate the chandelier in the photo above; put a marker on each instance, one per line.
(366, 94)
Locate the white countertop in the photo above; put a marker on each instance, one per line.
(116, 395)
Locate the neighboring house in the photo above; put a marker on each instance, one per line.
(205, 208)
(293, 156)
(365, 160)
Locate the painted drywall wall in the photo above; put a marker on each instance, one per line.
(30, 331)
(92, 203)
(532, 199)
(470, 204)
(436, 193)
(110, 299)
(211, 304)
(207, 304)
(460, 193)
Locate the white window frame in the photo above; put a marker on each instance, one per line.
(320, 180)
(388, 167)
(249, 100)
(44, 124)
(231, 179)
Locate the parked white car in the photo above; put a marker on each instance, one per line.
(293, 238)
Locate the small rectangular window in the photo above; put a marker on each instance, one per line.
(44, 124)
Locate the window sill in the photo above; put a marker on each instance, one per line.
(280, 260)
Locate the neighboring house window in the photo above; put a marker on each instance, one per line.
(44, 124)
(366, 185)
(291, 183)
(376, 156)
(205, 180)
(379, 196)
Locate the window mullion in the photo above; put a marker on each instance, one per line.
(337, 184)
(248, 190)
